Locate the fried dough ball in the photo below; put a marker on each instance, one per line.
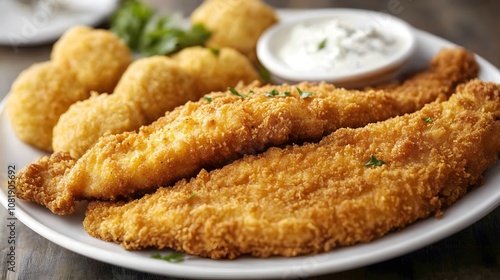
(235, 23)
(98, 57)
(147, 90)
(38, 97)
(91, 110)
(154, 85)
(215, 69)
(82, 61)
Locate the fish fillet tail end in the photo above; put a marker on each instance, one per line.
(40, 182)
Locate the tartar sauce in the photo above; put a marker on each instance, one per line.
(335, 47)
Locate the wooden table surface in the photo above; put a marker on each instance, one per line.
(473, 253)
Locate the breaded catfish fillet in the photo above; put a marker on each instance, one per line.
(315, 197)
(150, 87)
(208, 134)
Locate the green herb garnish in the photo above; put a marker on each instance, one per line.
(427, 120)
(273, 92)
(264, 74)
(129, 20)
(322, 44)
(209, 99)
(173, 258)
(251, 91)
(149, 33)
(374, 161)
(304, 94)
(192, 195)
(235, 92)
(215, 51)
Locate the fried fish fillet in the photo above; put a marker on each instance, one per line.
(150, 87)
(208, 134)
(315, 197)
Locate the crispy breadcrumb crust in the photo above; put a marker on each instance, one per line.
(316, 197)
(97, 56)
(149, 88)
(38, 97)
(49, 170)
(82, 60)
(209, 134)
(236, 24)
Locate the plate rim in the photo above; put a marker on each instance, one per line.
(49, 35)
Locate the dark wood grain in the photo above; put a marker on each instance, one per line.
(473, 253)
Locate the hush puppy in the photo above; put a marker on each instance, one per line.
(236, 24)
(82, 60)
(147, 90)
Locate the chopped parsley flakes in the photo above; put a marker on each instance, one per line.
(273, 92)
(235, 92)
(215, 51)
(374, 161)
(172, 258)
(322, 44)
(304, 94)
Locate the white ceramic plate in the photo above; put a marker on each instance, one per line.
(22, 25)
(67, 231)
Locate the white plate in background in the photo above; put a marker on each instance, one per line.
(46, 21)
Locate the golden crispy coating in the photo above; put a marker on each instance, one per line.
(208, 134)
(83, 60)
(149, 88)
(201, 134)
(85, 118)
(97, 56)
(215, 71)
(37, 98)
(236, 24)
(49, 170)
(315, 197)
(448, 68)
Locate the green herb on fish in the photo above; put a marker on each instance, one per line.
(304, 94)
(235, 92)
(374, 161)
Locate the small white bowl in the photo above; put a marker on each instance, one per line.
(274, 39)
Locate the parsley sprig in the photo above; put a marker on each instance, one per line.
(149, 33)
(272, 93)
(235, 92)
(276, 93)
(374, 161)
(322, 44)
(172, 258)
(304, 94)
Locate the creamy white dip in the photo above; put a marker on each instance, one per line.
(333, 46)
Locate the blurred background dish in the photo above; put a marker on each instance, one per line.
(31, 22)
